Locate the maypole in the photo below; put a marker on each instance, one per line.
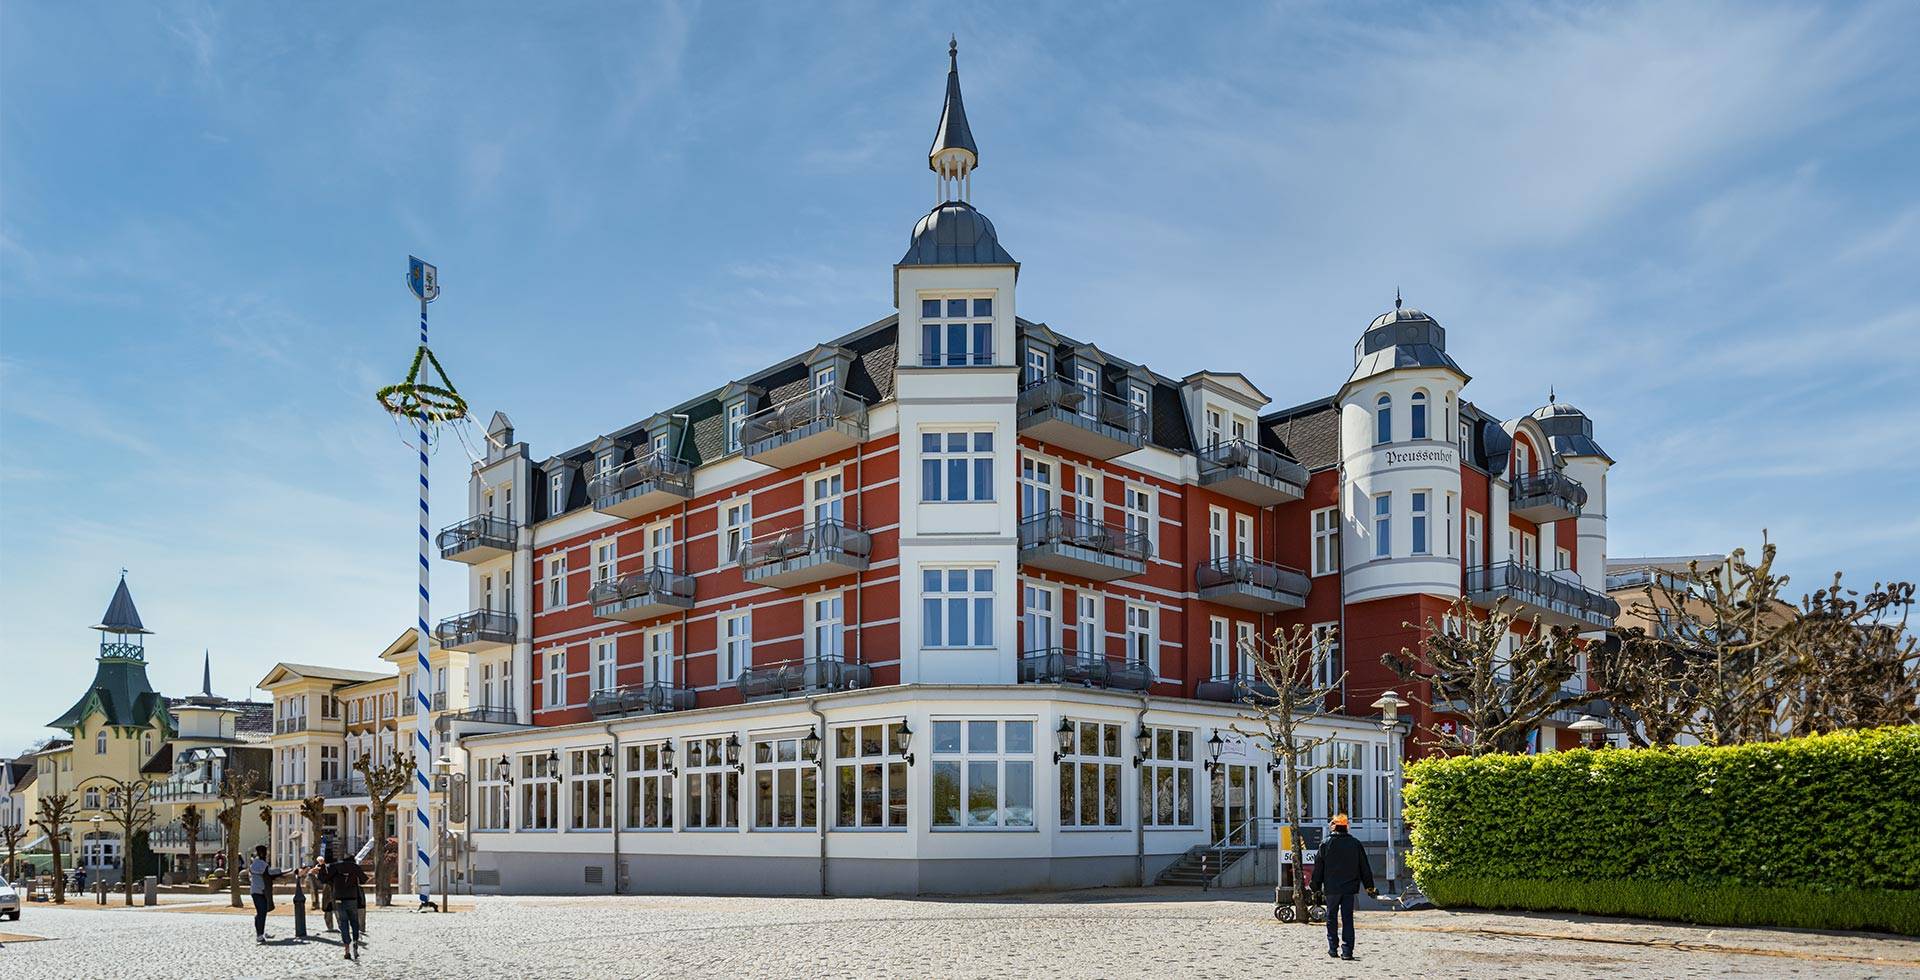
(430, 406)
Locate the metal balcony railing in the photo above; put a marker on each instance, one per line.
(408, 708)
(1249, 583)
(807, 553)
(478, 538)
(487, 715)
(478, 629)
(349, 786)
(642, 595)
(640, 485)
(1059, 665)
(287, 726)
(1558, 600)
(637, 699)
(1065, 413)
(1232, 687)
(439, 701)
(1082, 546)
(1546, 495)
(211, 837)
(786, 679)
(806, 426)
(1246, 471)
(176, 790)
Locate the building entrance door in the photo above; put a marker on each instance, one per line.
(1236, 795)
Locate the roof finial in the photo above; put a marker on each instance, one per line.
(206, 672)
(953, 52)
(953, 155)
(1396, 297)
(1549, 394)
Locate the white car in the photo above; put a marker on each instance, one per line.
(9, 900)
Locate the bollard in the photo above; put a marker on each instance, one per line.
(152, 884)
(299, 909)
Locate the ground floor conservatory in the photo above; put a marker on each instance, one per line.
(899, 790)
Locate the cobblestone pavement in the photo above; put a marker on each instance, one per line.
(1085, 934)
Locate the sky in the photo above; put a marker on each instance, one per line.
(1698, 222)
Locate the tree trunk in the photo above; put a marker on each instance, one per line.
(1292, 789)
(233, 866)
(59, 873)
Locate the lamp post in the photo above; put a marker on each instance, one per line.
(442, 766)
(1589, 727)
(1390, 705)
(299, 896)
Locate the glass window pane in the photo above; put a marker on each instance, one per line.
(983, 580)
(848, 795)
(930, 341)
(983, 736)
(929, 442)
(946, 788)
(1019, 737)
(843, 742)
(1019, 793)
(983, 479)
(983, 794)
(983, 442)
(870, 743)
(930, 308)
(946, 736)
(870, 802)
(1183, 796)
(956, 307)
(897, 794)
(983, 307)
(930, 629)
(1069, 816)
(983, 622)
(930, 480)
(956, 479)
(957, 579)
(1089, 796)
(1110, 795)
(982, 342)
(956, 622)
(1110, 736)
(957, 343)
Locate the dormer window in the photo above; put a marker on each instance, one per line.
(1418, 429)
(1466, 439)
(1039, 366)
(1137, 396)
(1522, 458)
(956, 332)
(736, 420)
(557, 494)
(1383, 421)
(1213, 427)
(660, 444)
(826, 379)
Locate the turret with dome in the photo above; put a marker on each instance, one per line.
(954, 232)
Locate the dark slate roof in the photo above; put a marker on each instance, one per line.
(955, 234)
(17, 772)
(1309, 433)
(1491, 443)
(121, 617)
(954, 133)
(25, 780)
(1171, 429)
(162, 761)
(1401, 338)
(119, 691)
(251, 716)
(1568, 430)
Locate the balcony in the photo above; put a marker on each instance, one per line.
(172, 839)
(1233, 689)
(1057, 665)
(439, 701)
(1080, 546)
(802, 555)
(294, 791)
(1244, 471)
(408, 708)
(1086, 421)
(288, 726)
(792, 677)
(481, 629)
(335, 788)
(641, 486)
(185, 790)
(1251, 584)
(1555, 598)
(478, 539)
(1546, 496)
(805, 427)
(642, 595)
(478, 721)
(639, 699)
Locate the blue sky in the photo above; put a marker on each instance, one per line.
(1700, 223)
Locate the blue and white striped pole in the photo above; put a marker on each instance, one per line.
(422, 742)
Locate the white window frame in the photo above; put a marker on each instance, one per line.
(1383, 420)
(1097, 750)
(606, 664)
(1139, 501)
(736, 423)
(557, 495)
(736, 528)
(589, 791)
(781, 779)
(557, 580)
(872, 790)
(1219, 649)
(708, 774)
(1169, 778)
(1326, 639)
(939, 599)
(539, 809)
(660, 656)
(735, 630)
(1013, 769)
(1476, 553)
(938, 317)
(606, 560)
(1326, 532)
(1039, 492)
(1419, 503)
(827, 497)
(1143, 636)
(648, 786)
(827, 626)
(658, 541)
(1383, 525)
(554, 695)
(938, 453)
(1039, 612)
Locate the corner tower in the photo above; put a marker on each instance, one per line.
(120, 697)
(1570, 434)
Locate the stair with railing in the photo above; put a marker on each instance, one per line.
(1201, 865)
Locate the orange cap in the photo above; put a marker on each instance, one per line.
(1340, 820)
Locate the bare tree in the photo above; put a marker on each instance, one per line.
(1501, 684)
(1856, 665)
(192, 821)
(314, 808)
(130, 808)
(384, 782)
(238, 787)
(11, 836)
(1286, 666)
(56, 811)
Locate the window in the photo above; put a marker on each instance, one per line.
(649, 788)
(1243, 535)
(1219, 656)
(826, 379)
(956, 332)
(1417, 427)
(1090, 776)
(786, 788)
(494, 803)
(827, 493)
(100, 744)
(736, 421)
(1086, 496)
(1466, 439)
(1529, 551)
(1446, 528)
(1036, 486)
(1038, 367)
(1087, 638)
(539, 794)
(1383, 421)
(1167, 779)
(1087, 377)
(605, 666)
(1382, 525)
(557, 495)
(605, 560)
(736, 645)
(1037, 620)
(1344, 776)
(956, 467)
(1139, 511)
(660, 545)
(506, 589)
(660, 655)
(1522, 458)
(956, 608)
(1326, 528)
(556, 581)
(1243, 650)
(983, 774)
(555, 689)
(506, 684)
(1473, 556)
(1562, 559)
(826, 635)
(1419, 521)
(1326, 654)
(736, 529)
(90, 800)
(1211, 427)
(870, 777)
(1137, 396)
(713, 786)
(1216, 532)
(592, 790)
(1140, 647)
(486, 686)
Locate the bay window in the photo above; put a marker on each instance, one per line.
(1167, 779)
(956, 332)
(713, 786)
(592, 789)
(786, 786)
(649, 788)
(956, 466)
(870, 777)
(983, 775)
(1090, 776)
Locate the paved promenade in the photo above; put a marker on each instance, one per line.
(1156, 934)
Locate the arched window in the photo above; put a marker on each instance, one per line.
(1383, 421)
(1418, 429)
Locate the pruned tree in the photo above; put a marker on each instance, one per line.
(130, 808)
(12, 835)
(314, 809)
(238, 787)
(56, 810)
(192, 821)
(1286, 666)
(1855, 663)
(384, 782)
(1501, 684)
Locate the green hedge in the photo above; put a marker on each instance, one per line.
(1817, 832)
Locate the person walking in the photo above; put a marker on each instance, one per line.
(260, 876)
(1340, 870)
(322, 892)
(343, 879)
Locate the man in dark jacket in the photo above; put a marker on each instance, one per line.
(344, 877)
(1340, 870)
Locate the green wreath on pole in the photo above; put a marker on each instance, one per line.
(414, 397)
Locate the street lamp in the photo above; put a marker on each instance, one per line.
(1589, 727)
(1062, 740)
(809, 748)
(1214, 745)
(810, 743)
(1143, 744)
(666, 758)
(902, 740)
(441, 769)
(1390, 705)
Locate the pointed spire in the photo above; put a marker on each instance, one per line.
(1550, 398)
(206, 673)
(1396, 297)
(954, 153)
(121, 617)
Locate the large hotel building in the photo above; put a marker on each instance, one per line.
(952, 601)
